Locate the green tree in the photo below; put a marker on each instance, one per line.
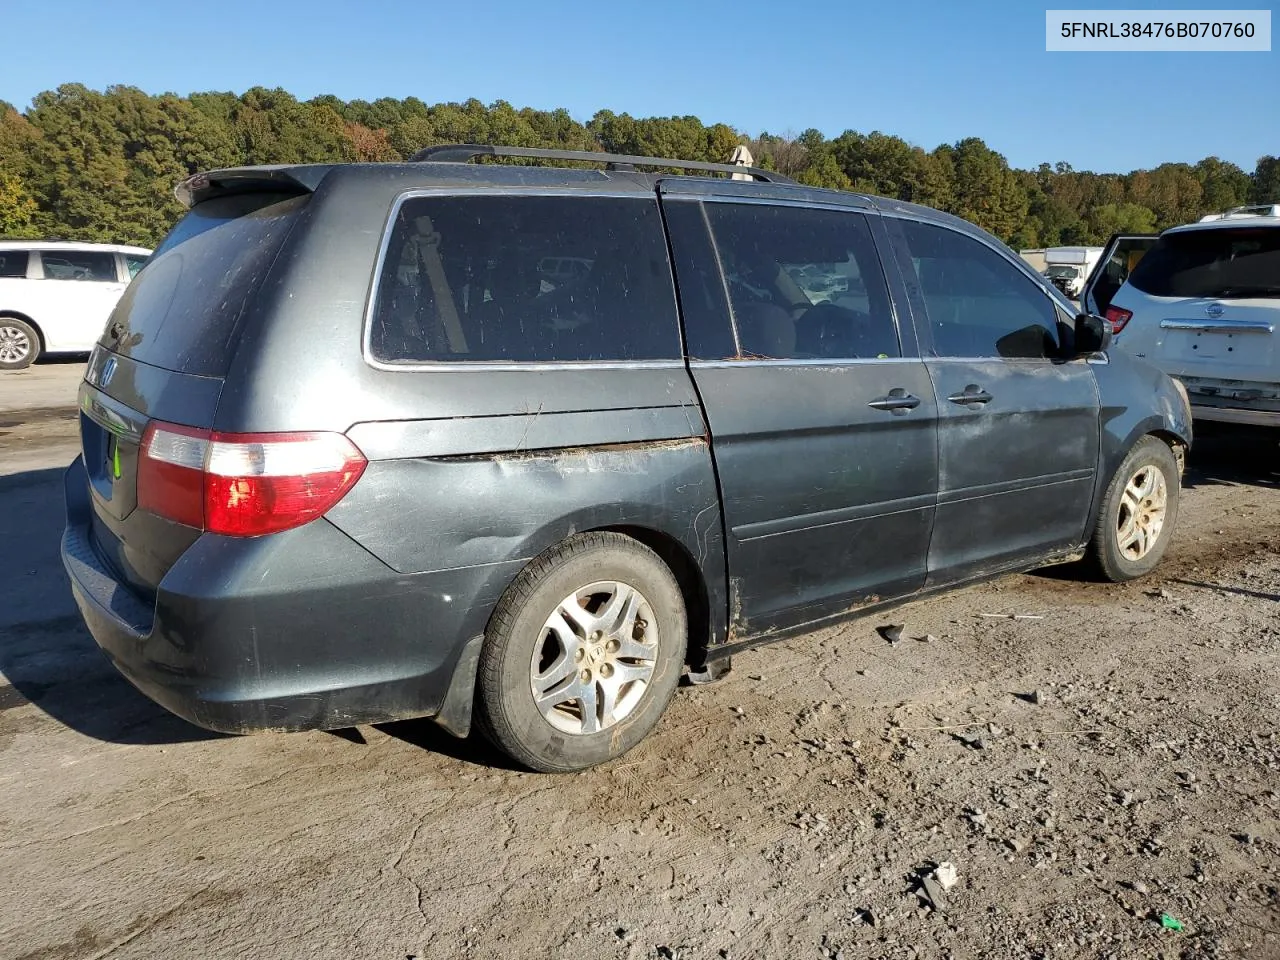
(986, 191)
(1223, 185)
(164, 141)
(1172, 191)
(79, 174)
(271, 126)
(1120, 218)
(824, 171)
(17, 141)
(18, 208)
(1266, 181)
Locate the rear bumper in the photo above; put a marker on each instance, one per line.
(294, 631)
(1255, 418)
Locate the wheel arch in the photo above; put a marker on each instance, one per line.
(1115, 450)
(29, 321)
(693, 585)
(1179, 445)
(704, 625)
(1104, 552)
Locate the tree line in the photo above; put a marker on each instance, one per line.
(101, 165)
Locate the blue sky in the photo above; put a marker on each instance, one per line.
(929, 72)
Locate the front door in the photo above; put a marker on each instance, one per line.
(1119, 257)
(1017, 427)
(823, 433)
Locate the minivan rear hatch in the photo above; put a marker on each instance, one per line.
(1215, 295)
(164, 356)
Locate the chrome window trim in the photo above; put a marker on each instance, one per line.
(770, 202)
(498, 366)
(452, 366)
(800, 362)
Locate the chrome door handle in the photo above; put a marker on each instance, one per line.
(971, 394)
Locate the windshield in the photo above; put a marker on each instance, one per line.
(1061, 270)
(1219, 263)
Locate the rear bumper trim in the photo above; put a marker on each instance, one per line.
(253, 655)
(93, 584)
(1255, 418)
(1220, 326)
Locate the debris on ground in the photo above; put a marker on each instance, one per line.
(891, 632)
(946, 875)
(933, 894)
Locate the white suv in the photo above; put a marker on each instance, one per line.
(56, 297)
(1203, 305)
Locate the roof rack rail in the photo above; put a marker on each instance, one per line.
(463, 152)
(1249, 210)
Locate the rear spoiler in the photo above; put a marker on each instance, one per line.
(302, 178)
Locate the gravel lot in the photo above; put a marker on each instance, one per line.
(1112, 761)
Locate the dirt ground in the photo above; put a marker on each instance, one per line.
(1111, 759)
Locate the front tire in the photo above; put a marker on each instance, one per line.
(19, 344)
(1138, 513)
(582, 654)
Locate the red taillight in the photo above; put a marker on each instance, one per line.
(1118, 317)
(171, 472)
(244, 484)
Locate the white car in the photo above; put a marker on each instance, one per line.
(1203, 304)
(55, 297)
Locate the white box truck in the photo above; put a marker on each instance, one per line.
(1068, 267)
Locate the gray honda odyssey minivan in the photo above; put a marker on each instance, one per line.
(357, 446)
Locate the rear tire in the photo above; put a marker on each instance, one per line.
(19, 344)
(582, 654)
(1138, 513)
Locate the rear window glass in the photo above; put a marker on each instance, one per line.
(13, 263)
(1219, 263)
(78, 265)
(520, 279)
(184, 311)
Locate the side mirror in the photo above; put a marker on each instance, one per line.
(1092, 334)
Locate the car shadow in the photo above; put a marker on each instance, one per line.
(1236, 455)
(1222, 454)
(47, 657)
(428, 735)
(1223, 588)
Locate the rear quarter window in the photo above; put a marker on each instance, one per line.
(507, 278)
(1218, 263)
(185, 310)
(13, 263)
